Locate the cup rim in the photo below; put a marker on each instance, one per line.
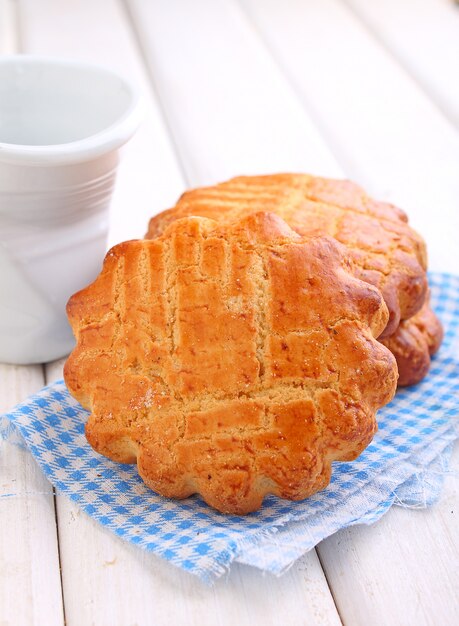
(106, 140)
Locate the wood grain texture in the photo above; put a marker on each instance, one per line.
(423, 35)
(404, 569)
(30, 588)
(385, 131)
(229, 108)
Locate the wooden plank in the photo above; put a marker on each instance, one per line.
(424, 37)
(402, 571)
(30, 587)
(230, 109)
(110, 582)
(384, 131)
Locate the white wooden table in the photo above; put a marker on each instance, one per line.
(369, 90)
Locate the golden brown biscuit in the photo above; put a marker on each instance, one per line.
(386, 251)
(231, 361)
(413, 343)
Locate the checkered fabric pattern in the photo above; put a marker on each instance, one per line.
(404, 465)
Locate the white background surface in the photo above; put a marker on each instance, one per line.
(367, 90)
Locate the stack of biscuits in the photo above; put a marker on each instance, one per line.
(248, 341)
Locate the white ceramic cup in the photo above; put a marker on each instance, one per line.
(61, 126)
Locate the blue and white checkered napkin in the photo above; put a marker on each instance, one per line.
(404, 465)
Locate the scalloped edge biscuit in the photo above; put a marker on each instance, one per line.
(386, 251)
(230, 361)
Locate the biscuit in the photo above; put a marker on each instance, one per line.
(233, 361)
(413, 343)
(386, 251)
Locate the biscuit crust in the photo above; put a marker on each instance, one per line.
(233, 361)
(413, 343)
(385, 250)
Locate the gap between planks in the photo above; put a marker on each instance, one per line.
(47, 380)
